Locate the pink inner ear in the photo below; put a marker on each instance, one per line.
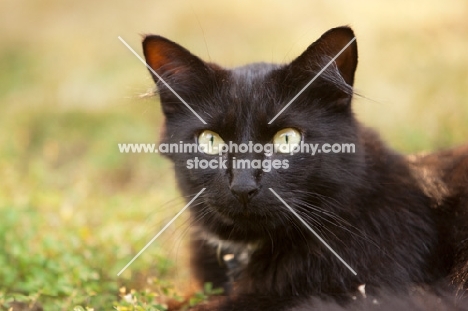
(347, 61)
(156, 54)
(166, 57)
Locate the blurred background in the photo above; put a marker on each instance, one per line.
(74, 211)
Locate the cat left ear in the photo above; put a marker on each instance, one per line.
(327, 47)
(173, 63)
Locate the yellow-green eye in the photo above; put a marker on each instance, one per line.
(210, 142)
(287, 140)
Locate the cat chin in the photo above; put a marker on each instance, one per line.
(238, 233)
(216, 229)
(243, 226)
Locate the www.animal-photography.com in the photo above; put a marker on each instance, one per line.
(234, 156)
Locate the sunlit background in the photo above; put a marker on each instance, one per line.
(74, 211)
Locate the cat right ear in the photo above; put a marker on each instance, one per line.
(330, 45)
(176, 66)
(338, 44)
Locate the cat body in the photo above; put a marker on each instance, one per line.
(400, 222)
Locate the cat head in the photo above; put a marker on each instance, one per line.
(205, 103)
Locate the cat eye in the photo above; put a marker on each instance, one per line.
(286, 140)
(210, 142)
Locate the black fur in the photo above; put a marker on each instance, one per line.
(399, 222)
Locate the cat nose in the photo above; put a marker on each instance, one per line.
(244, 193)
(244, 187)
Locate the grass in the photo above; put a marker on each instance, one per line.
(74, 210)
(61, 241)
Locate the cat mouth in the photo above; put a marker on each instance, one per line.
(244, 214)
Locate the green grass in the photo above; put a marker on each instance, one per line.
(74, 211)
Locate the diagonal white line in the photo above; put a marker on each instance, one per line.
(313, 79)
(159, 77)
(312, 230)
(159, 233)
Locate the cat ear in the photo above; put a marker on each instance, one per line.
(319, 53)
(180, 69)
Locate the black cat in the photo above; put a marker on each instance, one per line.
(400, 222)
